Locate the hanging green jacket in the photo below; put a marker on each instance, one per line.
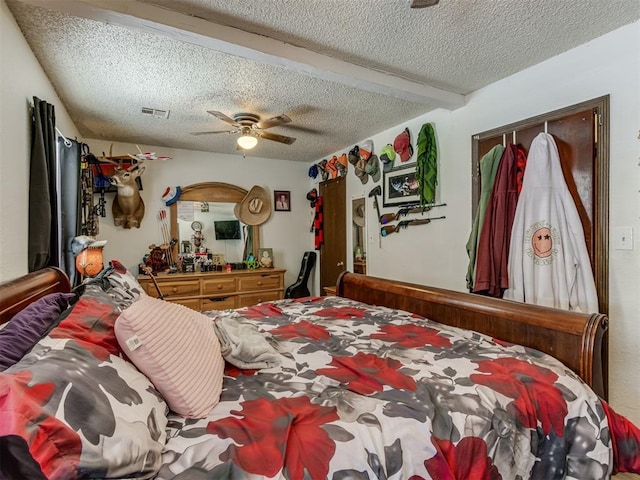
(488, 168)
(427, 165)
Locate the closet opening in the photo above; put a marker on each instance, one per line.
(581, 132)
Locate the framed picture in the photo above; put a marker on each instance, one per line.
(265, 257)
(400, 186)
(282, 200)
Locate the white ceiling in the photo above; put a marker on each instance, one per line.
(340, 69)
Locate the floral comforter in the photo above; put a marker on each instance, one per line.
(373, 393)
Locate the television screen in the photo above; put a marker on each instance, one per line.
(227, 229)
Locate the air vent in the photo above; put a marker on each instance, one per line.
(155, 112)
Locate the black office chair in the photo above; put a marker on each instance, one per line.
(300, 289)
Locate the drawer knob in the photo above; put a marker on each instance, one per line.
(259, 283)
(174, 289)
(219, 287)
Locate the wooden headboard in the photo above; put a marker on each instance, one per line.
(17, 294)
(576, 339)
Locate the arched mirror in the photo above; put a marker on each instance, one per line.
(208, 208)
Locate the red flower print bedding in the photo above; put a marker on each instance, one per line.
(372, 393)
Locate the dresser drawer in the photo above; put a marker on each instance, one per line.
(253, 298)
(205, 291)
(179, 288)
(262, 282)
(192, 303)
(218, 285)
(149, 289)
(222, 303)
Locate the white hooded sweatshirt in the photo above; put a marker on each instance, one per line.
(548, 259)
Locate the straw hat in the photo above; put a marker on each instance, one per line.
(358, 213)
(255, 208)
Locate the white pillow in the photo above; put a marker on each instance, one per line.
(177, 349)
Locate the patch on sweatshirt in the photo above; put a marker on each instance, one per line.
(543, 241)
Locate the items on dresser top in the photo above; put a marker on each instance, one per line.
(218, 290)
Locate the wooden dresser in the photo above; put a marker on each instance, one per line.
(218, 290)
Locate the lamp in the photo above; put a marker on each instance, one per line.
(247, 142)
(89, 261)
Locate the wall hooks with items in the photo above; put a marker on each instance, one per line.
(89, 213)
(581, 133)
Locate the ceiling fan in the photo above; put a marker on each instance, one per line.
(250, 128)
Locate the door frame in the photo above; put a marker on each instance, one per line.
(600, 220)
(333, 213)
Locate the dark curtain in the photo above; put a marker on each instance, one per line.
(69, 153)
(43, 212)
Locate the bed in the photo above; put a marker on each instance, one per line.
(385, 380)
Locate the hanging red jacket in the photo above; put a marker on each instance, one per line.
(492, 274)
(318, 224)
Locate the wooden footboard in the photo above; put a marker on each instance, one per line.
(17, 294)
(576, 339)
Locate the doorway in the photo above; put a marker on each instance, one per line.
(333, 253)
(359, 234)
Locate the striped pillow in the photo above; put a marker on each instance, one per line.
(177, 349)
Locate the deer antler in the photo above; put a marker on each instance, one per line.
(135, 166)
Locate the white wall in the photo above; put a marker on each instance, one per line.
(21, 78)
(435, 254)
(286, 232)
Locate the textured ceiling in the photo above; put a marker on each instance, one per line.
(107, 66)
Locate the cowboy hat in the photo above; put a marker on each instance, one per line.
(255, 207)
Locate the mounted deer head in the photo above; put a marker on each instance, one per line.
(128, 207)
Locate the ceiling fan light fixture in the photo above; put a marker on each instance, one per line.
(247, 142)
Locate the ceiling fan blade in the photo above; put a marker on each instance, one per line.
(423, 3)
(276, 138)
(300, 128)
(273, 122)
(214, 131)
(223, 117)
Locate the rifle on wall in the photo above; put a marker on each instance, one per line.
(403, 211)
(389, 229)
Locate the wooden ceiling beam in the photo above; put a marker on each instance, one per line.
(233, 41)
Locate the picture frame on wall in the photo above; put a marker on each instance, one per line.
(400, 186)
(265, 257)
(282, 200)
